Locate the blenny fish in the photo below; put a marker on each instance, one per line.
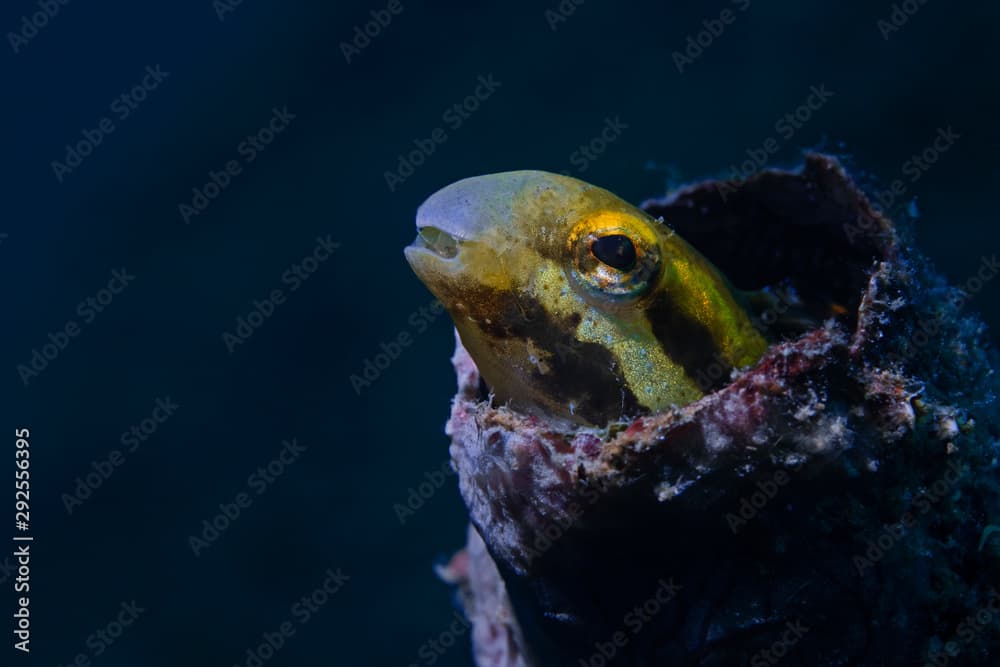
(575, 304)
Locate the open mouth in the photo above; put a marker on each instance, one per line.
(440, 242)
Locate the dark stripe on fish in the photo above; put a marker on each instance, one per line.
(689, 343)
(580, 372)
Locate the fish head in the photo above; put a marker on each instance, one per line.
(572, 302)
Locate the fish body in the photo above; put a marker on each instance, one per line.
(575, 304)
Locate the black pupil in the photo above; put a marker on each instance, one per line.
(616, 250)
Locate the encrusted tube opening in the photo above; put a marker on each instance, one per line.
(704, 534)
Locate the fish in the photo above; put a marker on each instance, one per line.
(574, 304)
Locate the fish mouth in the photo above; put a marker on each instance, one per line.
(433, 255)
(437, 241)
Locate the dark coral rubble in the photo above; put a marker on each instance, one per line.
(825, 507)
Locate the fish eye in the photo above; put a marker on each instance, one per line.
(614, 256)
(615, 250)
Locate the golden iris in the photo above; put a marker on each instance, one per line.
(613, 257)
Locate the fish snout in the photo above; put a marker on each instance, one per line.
(468, 211)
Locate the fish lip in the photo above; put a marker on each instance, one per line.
(443, 225)
(437, 241)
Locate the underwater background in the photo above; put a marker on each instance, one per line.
(170, 166)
